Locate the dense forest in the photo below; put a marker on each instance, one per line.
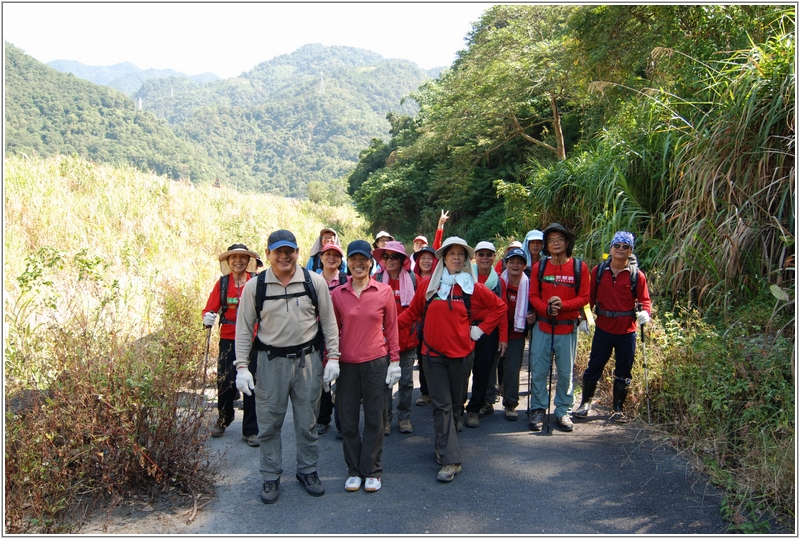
(299, 118)
(550, 116)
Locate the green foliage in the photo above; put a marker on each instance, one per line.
(50, 113)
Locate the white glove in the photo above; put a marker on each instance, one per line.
(584, 327)
(642, 317)
(331, 372)
(244, 381)
(475, 333)
(393, 373)
(209, 318)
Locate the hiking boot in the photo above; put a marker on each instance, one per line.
(438, 458)
(373, 484)
(322, 428)
(448, 472)
(339, 435)
(565, 422)
(587, 393)
(387, 428)
(251, 440)
(269, 493)
(423, 400)
(536, 420)
(352, 484)
(312, 483)
(217, 431)
(486, 410)
(619, 417)
(472, 420)
(404, 425)
(511, 413)
(458, 419)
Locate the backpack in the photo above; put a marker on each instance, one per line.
(223, 298)
(261, 292)
(466, 298)
(633, 268)
(576, 267)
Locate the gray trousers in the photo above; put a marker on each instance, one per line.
(565, 347)
(511, 367)
(447, 385)
(357, 383)
(278, 380)
(405, 388)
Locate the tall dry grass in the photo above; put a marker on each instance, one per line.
(106, 273)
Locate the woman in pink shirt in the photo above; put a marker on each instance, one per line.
(368, 367)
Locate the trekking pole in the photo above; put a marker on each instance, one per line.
(552, 361)
(644, 362)
(205, 361)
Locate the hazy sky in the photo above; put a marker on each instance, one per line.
(227, 39)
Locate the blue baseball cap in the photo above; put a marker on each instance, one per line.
(516, 251)
(281, 238)
(359, 247)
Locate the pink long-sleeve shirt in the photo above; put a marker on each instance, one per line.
(367, 324)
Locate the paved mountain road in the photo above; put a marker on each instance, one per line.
(602, 478)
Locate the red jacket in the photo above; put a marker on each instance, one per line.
(614, 294)
(446, 325)
(213, 305)
(559, 284)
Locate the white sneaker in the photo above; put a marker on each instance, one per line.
(373, 484)
(352, 484)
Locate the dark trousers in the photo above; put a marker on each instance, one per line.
(423, 384)
(624, 347)
(226, 388)
(485, 352)
(328, 408)
(447, 382)
(357, 383)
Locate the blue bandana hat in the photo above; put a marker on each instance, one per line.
(623, 237)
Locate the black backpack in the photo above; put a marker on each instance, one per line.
(223, 298)
(261, 292)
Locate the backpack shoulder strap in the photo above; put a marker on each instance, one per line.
(378, 277)
(342, 278)
(634, 269)
(310, 289)
(413, 279)
(542, 264)
(577, 267)
(261, 293)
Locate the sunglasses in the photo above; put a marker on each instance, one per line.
(387, 256)
(485, 255)
(621, 246)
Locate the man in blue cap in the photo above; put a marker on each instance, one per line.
(294, 312)
(620, 298)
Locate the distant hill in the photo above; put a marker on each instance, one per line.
(125, 76)
(297, 118)
(50, 113)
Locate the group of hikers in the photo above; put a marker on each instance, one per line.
(358, 319)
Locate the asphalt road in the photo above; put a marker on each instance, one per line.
(602, 478)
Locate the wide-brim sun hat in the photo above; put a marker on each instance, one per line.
(420, 238)
(450, 242)
(393, 246)
(515, 245)
(238, 248)
(379, 235)
(555, 227)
